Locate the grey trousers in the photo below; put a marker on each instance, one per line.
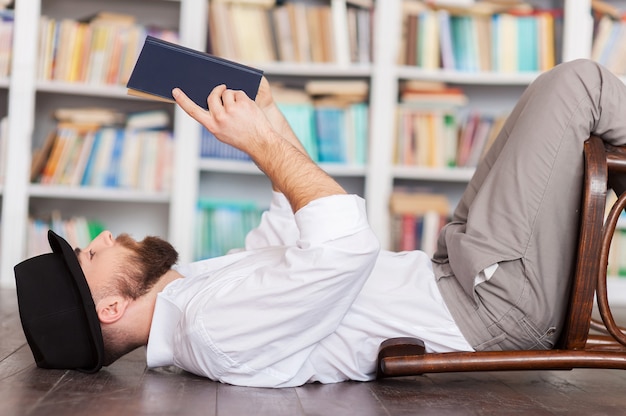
(521, 210)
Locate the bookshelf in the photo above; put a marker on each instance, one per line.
(28, 100)
(31, 100)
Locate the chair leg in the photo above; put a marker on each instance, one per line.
(406, 365)
(398, 347)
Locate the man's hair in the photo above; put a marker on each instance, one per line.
(147, 261)
(150, 259)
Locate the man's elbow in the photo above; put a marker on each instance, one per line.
(369, 245)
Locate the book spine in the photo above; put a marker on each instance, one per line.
(331, 134)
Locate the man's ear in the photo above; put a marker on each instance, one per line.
(110, 309)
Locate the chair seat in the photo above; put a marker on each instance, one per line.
(576, 348)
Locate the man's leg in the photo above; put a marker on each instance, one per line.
(521, 210)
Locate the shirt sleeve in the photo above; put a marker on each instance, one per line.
(277, 226)
(262, 325)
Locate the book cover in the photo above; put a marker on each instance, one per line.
(162, 66)
(527, 44)
(103, 156)
(67, 162)
(91, 159)
(81, 161)
(52, 163)
(445, 41)
(301, 118)
(111, 178)
(330, 127)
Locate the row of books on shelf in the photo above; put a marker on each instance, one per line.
(440, 138)
(98, 50)
(330, 118)
(288, 32)
(417, 217)
(92, 154)
(222, 226)
(78, 231)
(516, 40)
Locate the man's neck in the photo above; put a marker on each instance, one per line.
(165, 280)
(143, 308)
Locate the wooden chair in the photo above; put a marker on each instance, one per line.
(577, 347)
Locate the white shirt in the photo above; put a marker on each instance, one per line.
(310, 298)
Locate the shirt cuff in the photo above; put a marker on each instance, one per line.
(279, 203)
(331, 217)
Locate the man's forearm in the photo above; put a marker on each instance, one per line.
(280, 123)
(292, 172)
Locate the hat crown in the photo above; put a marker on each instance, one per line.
(57, 311)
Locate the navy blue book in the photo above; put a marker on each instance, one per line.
(162, 66)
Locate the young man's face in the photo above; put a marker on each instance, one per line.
(100, 260)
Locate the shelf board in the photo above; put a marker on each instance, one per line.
(246, 167)
(228, 166)
(433, 174)
(82, 88)
(274, 68)
(97, 194)
(460, 77)
(316, 69)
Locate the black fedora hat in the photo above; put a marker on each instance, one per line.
(57, 311)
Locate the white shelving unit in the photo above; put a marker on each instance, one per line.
(30, 102)
(172, 214)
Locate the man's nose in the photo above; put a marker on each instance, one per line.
(106, 238)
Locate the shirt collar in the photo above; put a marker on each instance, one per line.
(160, 349)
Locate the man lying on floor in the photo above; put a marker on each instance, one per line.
(311, 295)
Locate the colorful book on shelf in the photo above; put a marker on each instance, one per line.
(113, 167)
(88, 174)
(527, 43)
(428, 48)
(162, 66)
(301, 118)
(359, 34)
(330, 126)
(445, 41)
(284, 34)
(81, 161)
(211, 147)
(359, 116)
